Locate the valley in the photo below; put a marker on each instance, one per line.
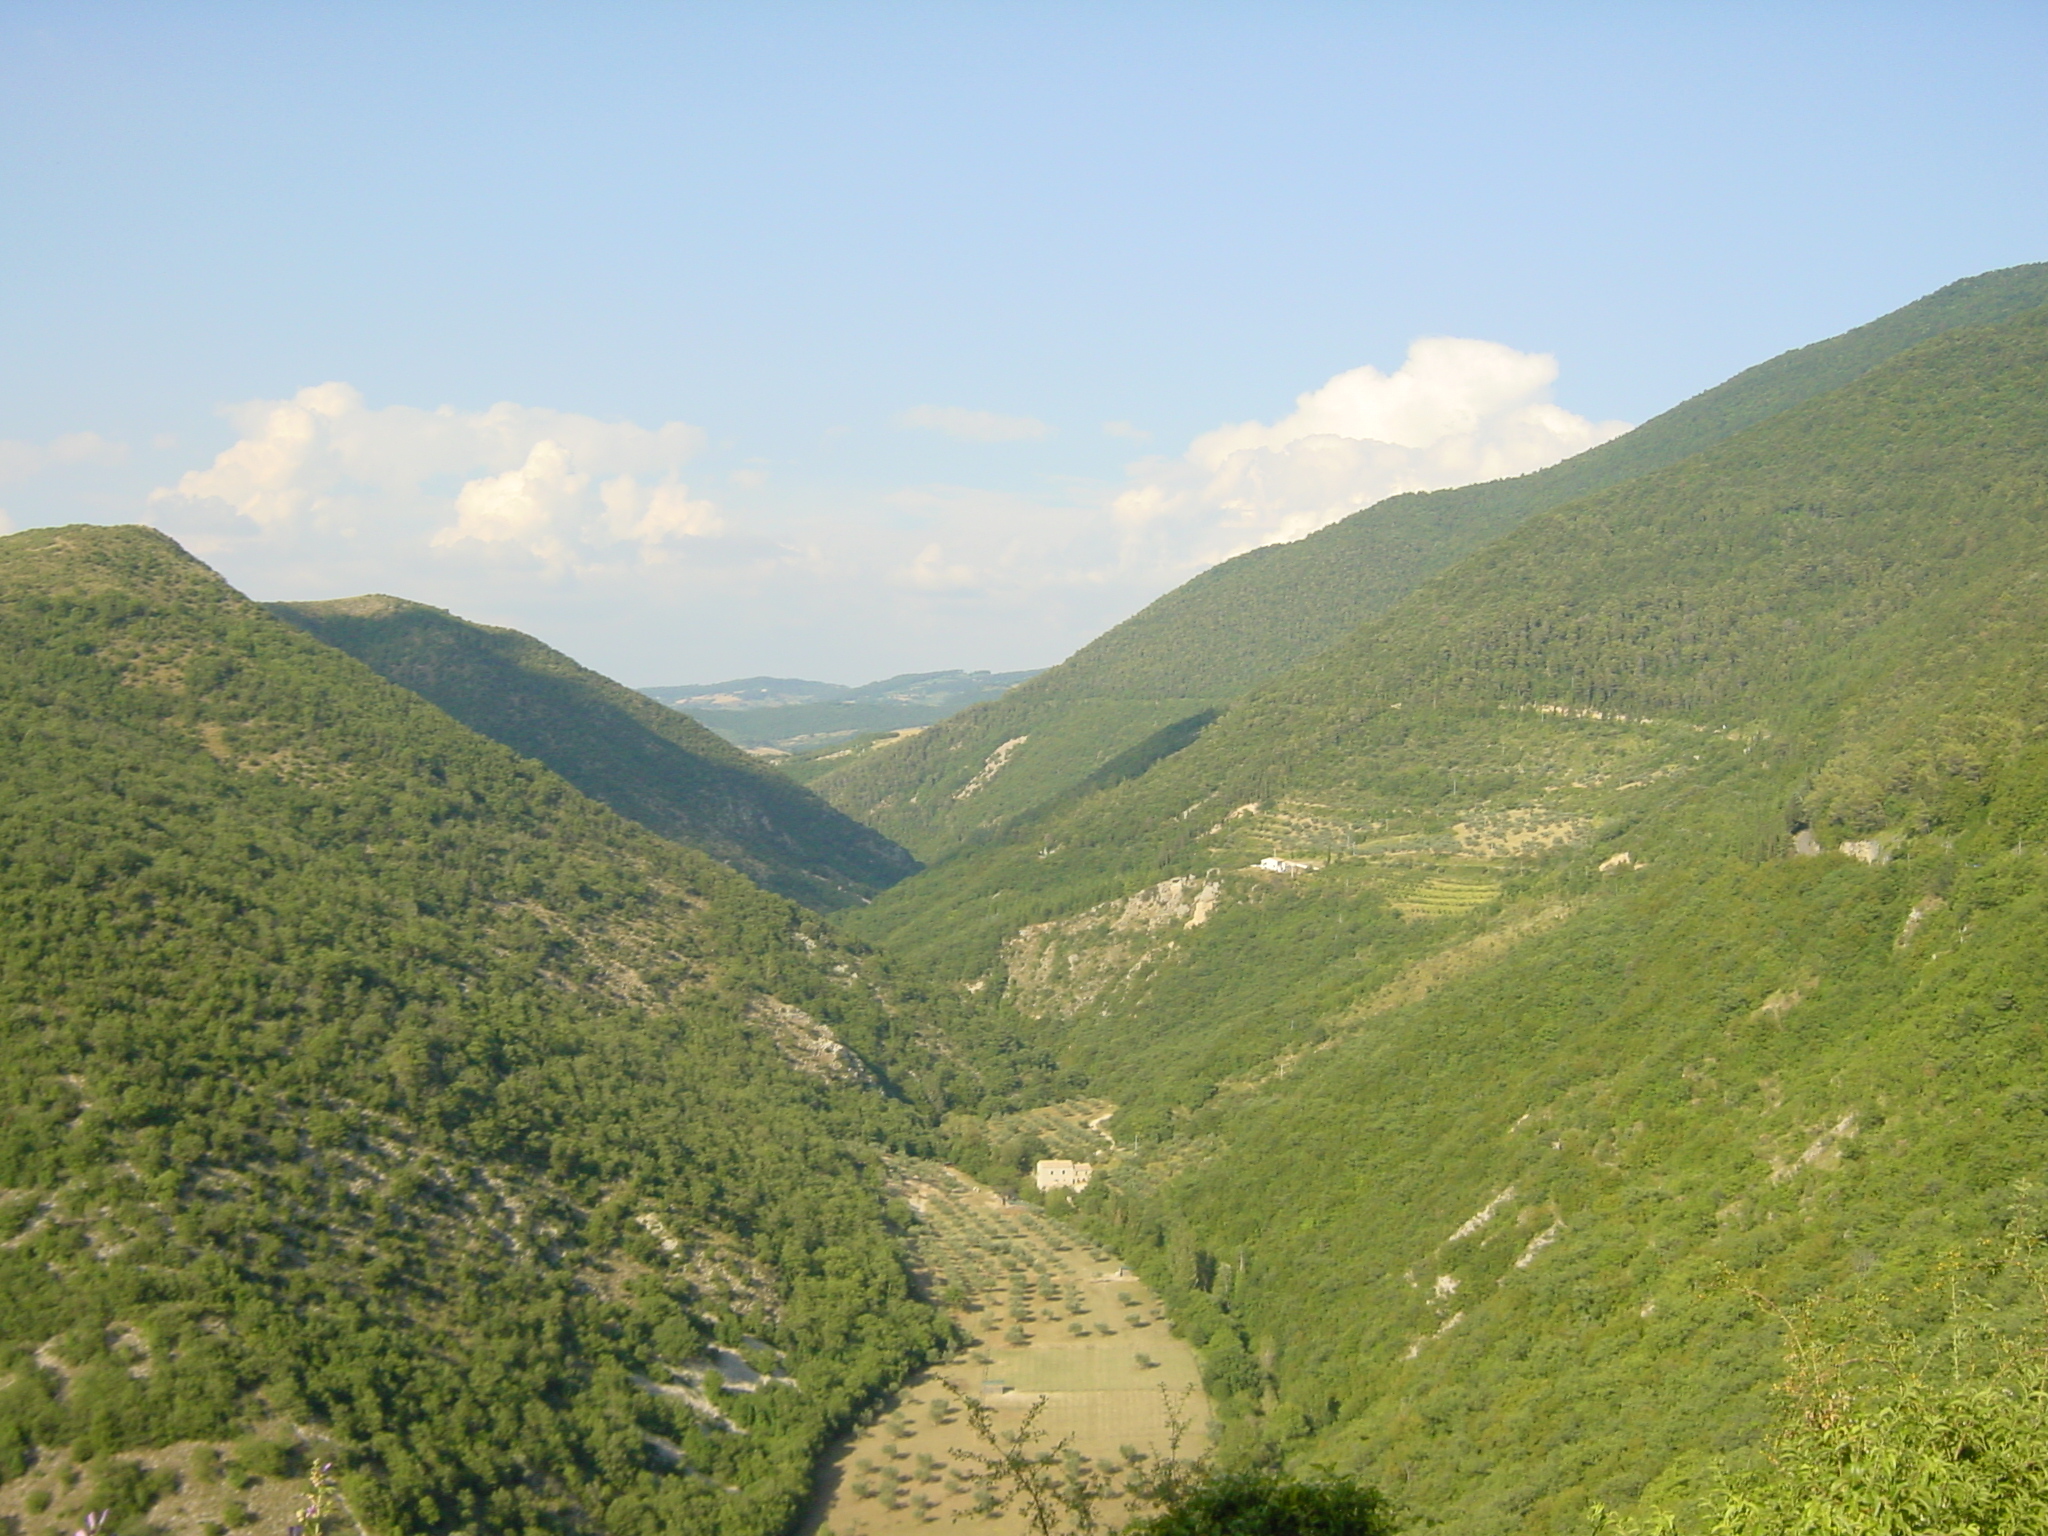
(779, 716)
(1503, 1002)
(1593, 885)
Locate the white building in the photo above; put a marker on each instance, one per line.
(1059, 1173)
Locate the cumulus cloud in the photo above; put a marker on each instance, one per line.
(552, 486)
(1456, 411)
(608, 538)
(973, 426)
(524, 507)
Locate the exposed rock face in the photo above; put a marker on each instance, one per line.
(808, 1045)
(997, 761)
(1063, 966)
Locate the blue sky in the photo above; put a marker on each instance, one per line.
(840, 341)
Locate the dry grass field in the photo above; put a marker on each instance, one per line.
(1049, 1318)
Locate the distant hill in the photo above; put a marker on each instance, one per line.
(1641, 918)
(748, 693)
(368, 1093)
(1253, 617)
(653, 765)
(787, 714)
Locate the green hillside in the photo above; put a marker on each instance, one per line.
(651, 764)
(1254, 617)
(369, 1093)
(1659, 917)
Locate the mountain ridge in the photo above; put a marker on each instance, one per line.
(1255, 616)
(653, 765)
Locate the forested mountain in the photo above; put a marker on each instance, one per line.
(1651, 912)
(368, 1092)
(1254, 617)
(649, 763)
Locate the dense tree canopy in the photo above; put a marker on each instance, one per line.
(361, 1075)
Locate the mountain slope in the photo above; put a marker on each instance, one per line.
(1657, 918)
(651, 764)
(365, 1086)
(1253, 617)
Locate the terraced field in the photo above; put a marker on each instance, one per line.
(1048, 1317)
(1447, 895)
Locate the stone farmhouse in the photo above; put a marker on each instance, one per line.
(1060, 1173)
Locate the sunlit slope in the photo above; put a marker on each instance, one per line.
(362, 1081)
(651, 764)
(1254, 617)
(1666, 884)
(1748, 579)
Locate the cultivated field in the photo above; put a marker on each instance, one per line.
(1449, 894)
(1075, 1128)
(1050, 1318)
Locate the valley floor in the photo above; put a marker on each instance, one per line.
(1048, 1317)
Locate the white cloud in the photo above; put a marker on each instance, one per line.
(604, 537)
(523, 507)
(555, 487)
(973, 426)
(657, 513)
(19, 460)
(1456, 411)
(1126, 429)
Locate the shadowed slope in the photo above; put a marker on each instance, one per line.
(651, 764)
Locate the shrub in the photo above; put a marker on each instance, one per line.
(1256, 1503)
